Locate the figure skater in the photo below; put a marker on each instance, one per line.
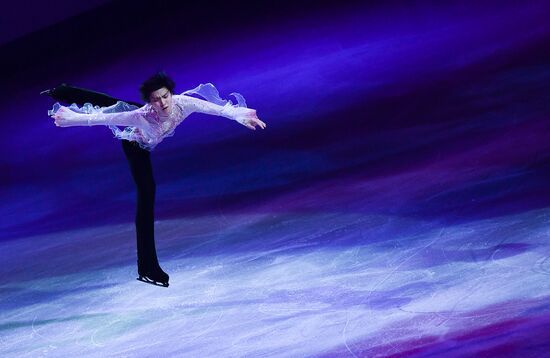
(144, 128)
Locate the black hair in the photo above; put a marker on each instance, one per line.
(155, 82)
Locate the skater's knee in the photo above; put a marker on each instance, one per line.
(147, 190)
(146, 183)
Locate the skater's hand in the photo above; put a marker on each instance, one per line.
(251, 120)
(63, 116)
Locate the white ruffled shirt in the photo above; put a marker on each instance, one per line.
(145, 126)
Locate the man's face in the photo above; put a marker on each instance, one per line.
(161, 100)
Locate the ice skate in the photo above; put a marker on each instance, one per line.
(146, 279)
(155, 277)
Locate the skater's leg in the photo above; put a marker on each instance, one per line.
(142, 173)
(140, 165)
(71, 94)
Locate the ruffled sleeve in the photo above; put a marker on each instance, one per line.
(213, 104)
(119, 114)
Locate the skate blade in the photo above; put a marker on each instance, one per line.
(151, 282)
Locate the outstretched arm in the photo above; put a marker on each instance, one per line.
(65, 117)
(243, 115)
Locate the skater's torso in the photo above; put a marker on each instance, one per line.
(154, 127)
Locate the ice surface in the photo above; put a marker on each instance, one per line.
(259, 285)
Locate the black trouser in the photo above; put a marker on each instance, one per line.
(140, 166)
(142, 172)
